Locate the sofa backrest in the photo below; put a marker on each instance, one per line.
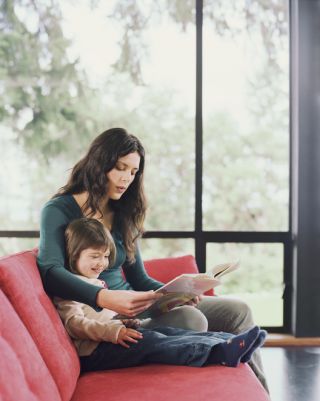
(21, 283)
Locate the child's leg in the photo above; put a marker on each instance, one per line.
(154, 347)
(173, 331)
(258, 343)
(175, 347)
(232, 351)
(214, 337)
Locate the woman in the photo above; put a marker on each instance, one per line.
(107, 184)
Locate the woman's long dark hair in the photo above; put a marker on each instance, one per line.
(89, 175)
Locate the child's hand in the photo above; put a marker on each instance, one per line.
(131, 323)
(129, 335)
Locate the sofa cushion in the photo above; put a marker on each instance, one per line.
(166, 269)
(166, 383)
(21, 283)
(23, 374)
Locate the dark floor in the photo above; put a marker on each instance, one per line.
(293, 373)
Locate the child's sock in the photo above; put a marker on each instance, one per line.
(259, 341)
(230, 352)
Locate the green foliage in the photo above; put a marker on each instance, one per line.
(269, 19)
(244, 174)
(46, 98)
(49, 111)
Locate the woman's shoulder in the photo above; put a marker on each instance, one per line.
(60, 200)
(62, 204)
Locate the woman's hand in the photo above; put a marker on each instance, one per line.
(194, 301)
(131, 323)
(129, 335)
(128, 303)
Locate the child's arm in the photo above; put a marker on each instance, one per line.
(82, 328)
(83, 323)
(113, 331)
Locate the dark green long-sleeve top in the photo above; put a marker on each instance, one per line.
(52, 260)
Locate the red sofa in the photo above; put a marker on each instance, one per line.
(38, 361)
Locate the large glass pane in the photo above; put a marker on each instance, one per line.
(14, 245)
(70, 70)
(246, 115)
(259, 281)
(27, 181)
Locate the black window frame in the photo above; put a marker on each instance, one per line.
(300, 242)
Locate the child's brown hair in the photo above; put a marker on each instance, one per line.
(87, 233)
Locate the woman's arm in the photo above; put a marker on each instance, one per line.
(137, 276)
(128, 303)
(58, 281)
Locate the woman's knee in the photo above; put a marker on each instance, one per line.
(184, 317)
(226, 314)
(192, 318)
(240, 316)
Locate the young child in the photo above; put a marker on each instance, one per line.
(103, 343)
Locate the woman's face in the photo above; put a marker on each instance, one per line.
(122, 175)
(92, 262)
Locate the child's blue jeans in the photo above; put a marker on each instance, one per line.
(165, 345)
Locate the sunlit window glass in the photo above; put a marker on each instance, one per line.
(258, 281)
(73, 69)
(14, 245)
(246, 115)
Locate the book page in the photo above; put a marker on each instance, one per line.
(195, 284)
(224, 268)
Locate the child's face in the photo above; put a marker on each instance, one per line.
(92, 262)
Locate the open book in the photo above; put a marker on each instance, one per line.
(182, 289)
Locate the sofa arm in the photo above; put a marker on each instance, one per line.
(166, 269)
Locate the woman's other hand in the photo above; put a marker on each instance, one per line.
(131, 323)
(194, 301)
(128, 335)
(128, 303)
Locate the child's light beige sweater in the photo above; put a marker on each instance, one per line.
(87, 327)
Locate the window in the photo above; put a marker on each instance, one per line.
(246, 117)
(246, 142)
(211, 106)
